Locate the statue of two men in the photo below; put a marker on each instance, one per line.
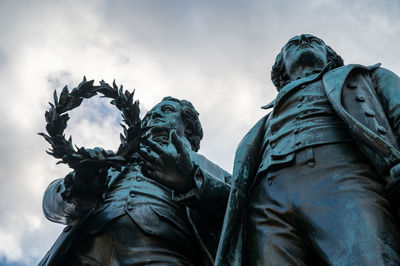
(309, 185)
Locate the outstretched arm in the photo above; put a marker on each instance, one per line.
(68, 198)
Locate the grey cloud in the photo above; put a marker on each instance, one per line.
(59, 79)
(217, 54)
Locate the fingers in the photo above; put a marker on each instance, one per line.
(179, 145)
(154, 174)
(154, 146)
(149, 166)
(148, 156)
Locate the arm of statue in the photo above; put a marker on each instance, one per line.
(211, 190)
(387, 86)
(194, 180)
(69, 198)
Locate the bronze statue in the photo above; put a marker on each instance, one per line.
(137, 220)
(316, 180)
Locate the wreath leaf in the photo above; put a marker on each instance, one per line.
(77, 158)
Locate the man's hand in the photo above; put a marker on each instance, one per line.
(90, 181)
(170, 165)
(90, 174)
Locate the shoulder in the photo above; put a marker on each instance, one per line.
(382, 72)
(259, 126)
(382, 77)
(253, 138)
(209, 166)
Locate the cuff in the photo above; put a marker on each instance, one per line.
(194, 193)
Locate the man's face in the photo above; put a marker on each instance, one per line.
(164, 117)
(304, 51)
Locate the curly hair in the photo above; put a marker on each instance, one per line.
(193, 129)
(278, 73)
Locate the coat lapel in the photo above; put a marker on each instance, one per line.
(367, 138)
(333, 80)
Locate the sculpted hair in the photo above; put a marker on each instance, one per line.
(278, 73)
(193, 129)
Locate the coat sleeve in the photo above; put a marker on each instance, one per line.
(244, 169)
(55, 208)
(63, 203)
(387, 86)
(212, 188)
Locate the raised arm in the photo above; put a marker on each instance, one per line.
(196, 181)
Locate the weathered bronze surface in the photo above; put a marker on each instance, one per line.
(315, 182)
(124, 212)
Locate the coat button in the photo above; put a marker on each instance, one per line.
(273, 145)
(382, 130)
(299, 105)
(129, 208)
(139, 179)
(360, 98)
(351, 85)
(132, 194)
(296, 131)
(370, 113)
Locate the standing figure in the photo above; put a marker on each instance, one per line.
(308, 186)
(141, 221)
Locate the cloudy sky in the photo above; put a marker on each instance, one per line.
(217, 54)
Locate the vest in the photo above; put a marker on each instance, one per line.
(304, 119)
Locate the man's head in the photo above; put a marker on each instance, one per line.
(180, 115)
(304, 50)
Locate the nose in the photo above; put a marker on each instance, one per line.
(303, 39)
(155, 114)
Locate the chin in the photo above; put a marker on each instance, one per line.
(309, 57)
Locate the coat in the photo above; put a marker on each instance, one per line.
(206, 231)
(367, 99)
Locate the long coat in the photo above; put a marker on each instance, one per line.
(367, 99)
(206, 231)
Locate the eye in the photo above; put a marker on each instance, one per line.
(168, 109)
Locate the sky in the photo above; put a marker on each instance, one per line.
(216, 54)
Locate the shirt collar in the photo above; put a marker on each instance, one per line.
(301, 81)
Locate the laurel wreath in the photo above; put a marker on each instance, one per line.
(79, 158)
